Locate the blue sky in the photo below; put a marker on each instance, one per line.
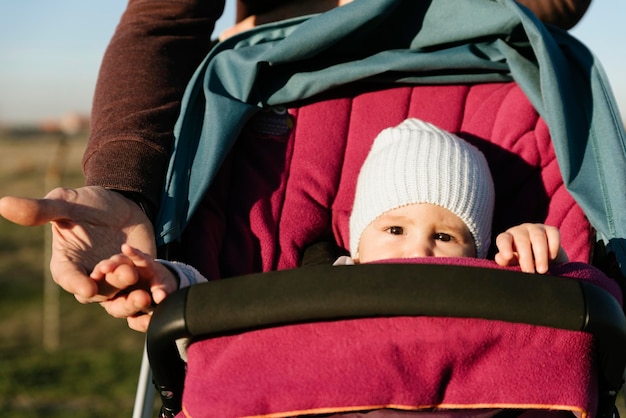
(50, 51)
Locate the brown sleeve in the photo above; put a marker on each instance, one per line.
(562, 13)
(153, 53)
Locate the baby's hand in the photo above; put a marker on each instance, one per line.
(134, 282)
(531, 246)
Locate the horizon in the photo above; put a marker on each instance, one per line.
(51, 53)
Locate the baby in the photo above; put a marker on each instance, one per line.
(422, 192)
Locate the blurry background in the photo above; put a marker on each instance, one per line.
(50, 51)
(58, 357)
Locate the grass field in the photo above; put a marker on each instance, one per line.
(94, 371)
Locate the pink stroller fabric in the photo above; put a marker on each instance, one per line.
(291, 177)
(290, 182)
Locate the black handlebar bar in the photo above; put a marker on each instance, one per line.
(322, 293)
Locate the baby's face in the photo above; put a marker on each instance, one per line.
(417, 230)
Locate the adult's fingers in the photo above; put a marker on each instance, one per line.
(30, 212)
(73, 278)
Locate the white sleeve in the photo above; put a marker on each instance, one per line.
(187, 275)
(344, 260)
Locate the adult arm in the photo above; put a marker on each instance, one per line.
(153, 53)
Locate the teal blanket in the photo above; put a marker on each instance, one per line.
(424, 42)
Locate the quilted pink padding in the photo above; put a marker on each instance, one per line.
(291, 179)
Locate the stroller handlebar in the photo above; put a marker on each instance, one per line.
(322, 293)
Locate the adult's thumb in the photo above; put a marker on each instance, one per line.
(29, 212)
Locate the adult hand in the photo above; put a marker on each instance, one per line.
(89, 224)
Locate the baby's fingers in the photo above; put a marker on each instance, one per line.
(120, 278)
(525, 257)
(546, 245)
(128, 305)
(554, 243)
(109, 265)
(506, 255)
(139, 322)
(138, 258)
(515, 248)
(101, 269)
(539, 249)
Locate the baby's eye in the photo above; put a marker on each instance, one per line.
(442, 236)
(395, 230)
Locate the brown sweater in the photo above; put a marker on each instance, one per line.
(154, 51)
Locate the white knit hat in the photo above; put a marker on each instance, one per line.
(416, 162)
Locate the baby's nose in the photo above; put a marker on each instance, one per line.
(419, 250)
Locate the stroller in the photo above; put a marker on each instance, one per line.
(433, 337)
